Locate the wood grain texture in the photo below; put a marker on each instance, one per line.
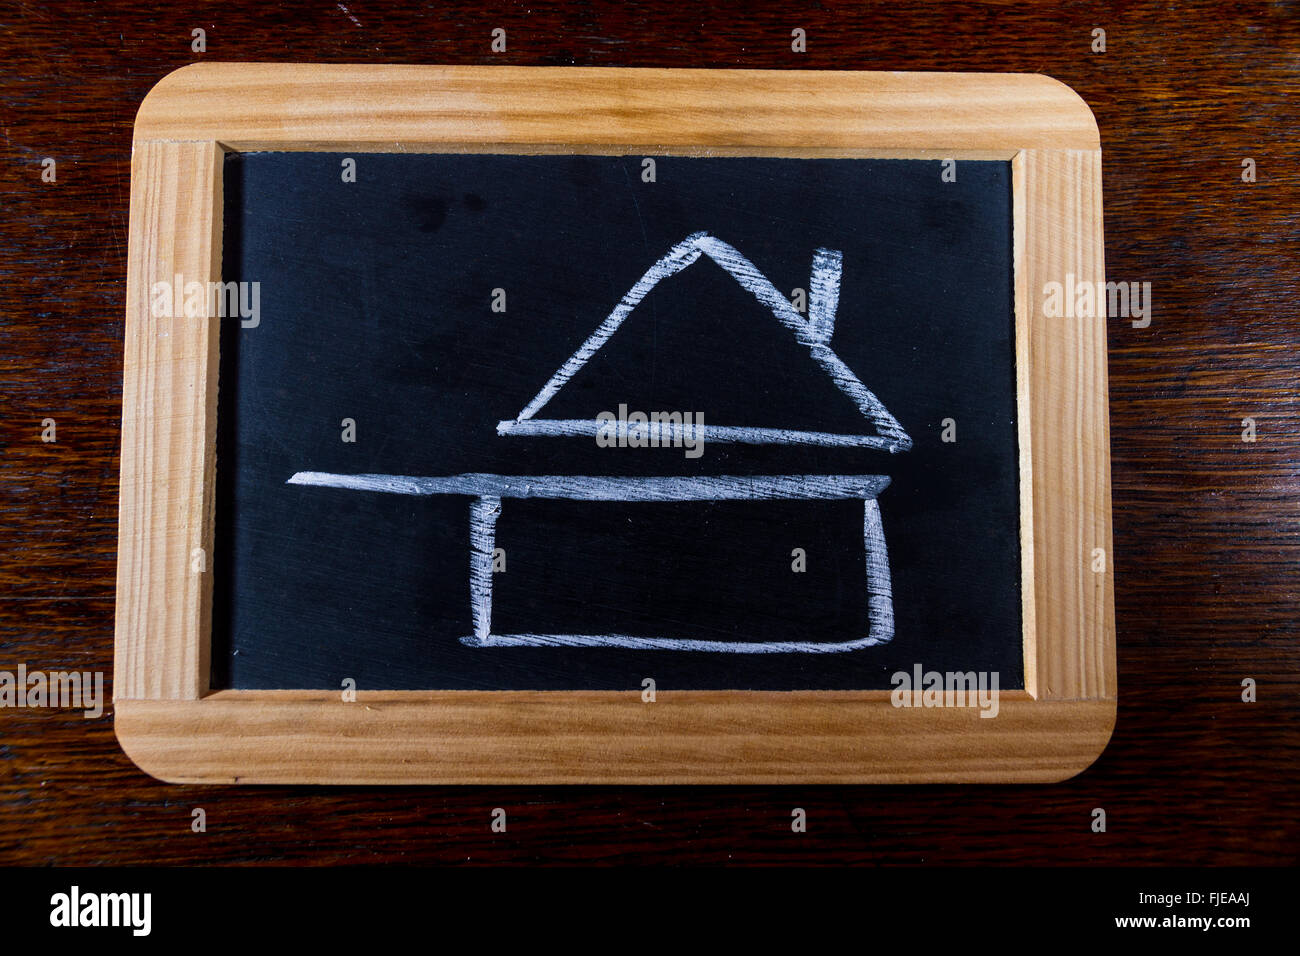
(1207, 536)
(169, 426)
(163, 631)
(518, 737)
(1069, 435)
(315, 106)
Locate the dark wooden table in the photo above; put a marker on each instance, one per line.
(1207, 526)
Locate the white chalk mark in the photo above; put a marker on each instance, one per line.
(880, 607)
(632, 642)
(673, 433)
(824, 293)
(814, 333)
(348, 12)
(599, 488)
(483, 514)
(678, 258)
(488, 490)
(880, 592)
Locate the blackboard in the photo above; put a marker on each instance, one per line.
(376, 305)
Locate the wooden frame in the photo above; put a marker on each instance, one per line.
(175, 728)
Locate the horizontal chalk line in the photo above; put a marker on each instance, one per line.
(672, 643)
(671, 432)
(596, 488)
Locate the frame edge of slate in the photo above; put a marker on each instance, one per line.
(175, 728)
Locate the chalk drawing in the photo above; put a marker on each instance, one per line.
(880, 606)
(488, 491)
(814, 333)
(593, 488)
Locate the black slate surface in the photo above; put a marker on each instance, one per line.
(375, 306)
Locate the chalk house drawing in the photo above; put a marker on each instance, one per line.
(487, 492)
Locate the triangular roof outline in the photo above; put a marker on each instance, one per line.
(814, 333)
